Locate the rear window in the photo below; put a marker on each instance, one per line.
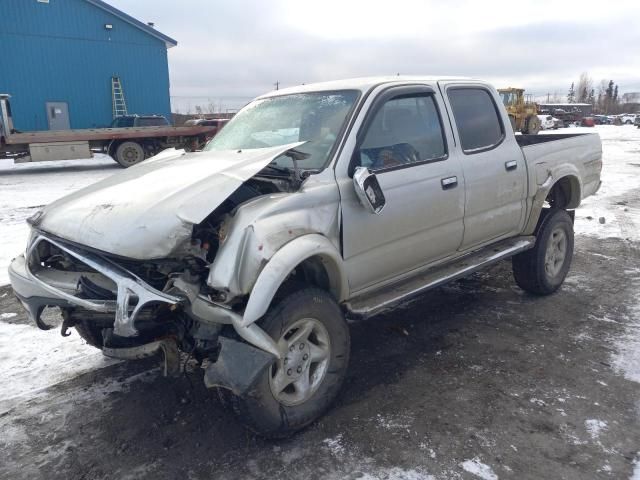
(476, 115)
(122, 122)
(152, 122)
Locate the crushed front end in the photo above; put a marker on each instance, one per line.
(132, 309)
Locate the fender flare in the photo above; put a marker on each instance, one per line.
(282, 264)
(541, 195)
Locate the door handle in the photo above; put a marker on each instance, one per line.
(510, 165)
(449, 182)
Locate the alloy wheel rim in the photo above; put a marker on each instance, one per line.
(296, 377)
(556, 252)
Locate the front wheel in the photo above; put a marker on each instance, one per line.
(311, 331)
(542, 269)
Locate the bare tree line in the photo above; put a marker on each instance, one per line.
(604, 97)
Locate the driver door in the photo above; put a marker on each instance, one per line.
(403, 141)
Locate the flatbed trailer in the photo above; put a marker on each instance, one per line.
(127, 146)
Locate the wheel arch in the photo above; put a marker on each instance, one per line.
(315, 256)
(565, 193)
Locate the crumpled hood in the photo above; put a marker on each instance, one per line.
(144, 212)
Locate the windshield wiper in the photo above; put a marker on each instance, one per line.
(279, 169)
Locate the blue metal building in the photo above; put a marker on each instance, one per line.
(57, 52)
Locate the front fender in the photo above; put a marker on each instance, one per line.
(284, 261)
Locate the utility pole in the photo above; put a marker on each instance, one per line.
(277, 84)
(548, 96)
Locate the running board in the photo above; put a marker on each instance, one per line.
(390, 296)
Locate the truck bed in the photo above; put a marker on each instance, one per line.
(90, 134)
(526, 140)
(578, 154)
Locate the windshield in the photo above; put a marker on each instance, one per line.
(315, 118)
(509, 98)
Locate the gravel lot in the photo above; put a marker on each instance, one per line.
(473, 380)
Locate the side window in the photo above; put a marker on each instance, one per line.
(476, 115)
(405, 130)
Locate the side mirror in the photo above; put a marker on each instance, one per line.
(368, 190)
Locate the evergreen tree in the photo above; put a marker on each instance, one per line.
(592, 97)
(583, 95)
(609, 90)
(571, 96)
(615, 95)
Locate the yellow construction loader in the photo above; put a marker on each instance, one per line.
(523, 112)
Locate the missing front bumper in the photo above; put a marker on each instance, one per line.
(133, 293)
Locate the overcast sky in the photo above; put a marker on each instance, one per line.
(231, 51)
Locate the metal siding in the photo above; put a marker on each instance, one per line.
(60, 51)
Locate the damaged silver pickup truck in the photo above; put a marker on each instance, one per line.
(315, 203)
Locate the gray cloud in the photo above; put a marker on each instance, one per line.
(230, 52)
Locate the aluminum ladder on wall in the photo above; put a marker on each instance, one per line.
(117, 95)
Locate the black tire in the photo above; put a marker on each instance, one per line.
(91, 334)
(129, 153)
(532, 125)
(259, 409)
(530, 267)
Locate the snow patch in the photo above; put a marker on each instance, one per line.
(479, 469)
(537, 401)
(627, 359)
(33, 360)
(394, 422)
(395, 473)
(27, 187)
(7, 316)
(636, 469)
(595, 427)
(335, 445)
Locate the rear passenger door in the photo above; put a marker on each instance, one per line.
(493, 164)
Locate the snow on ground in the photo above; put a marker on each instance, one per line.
(45, 358)
(26, 187)
(620, 174)
(479, 469)
(595, 427)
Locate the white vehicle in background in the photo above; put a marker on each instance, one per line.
(629, 118)
(546, 122)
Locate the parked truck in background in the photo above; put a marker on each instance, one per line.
(313, 204)
(127, 146)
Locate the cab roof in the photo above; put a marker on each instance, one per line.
(362, 83)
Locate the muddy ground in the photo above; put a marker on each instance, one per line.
(474, 377)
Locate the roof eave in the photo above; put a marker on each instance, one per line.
(168, 41)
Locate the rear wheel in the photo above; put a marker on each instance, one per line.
(128, 154)
(309, 327)
(542, 269)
